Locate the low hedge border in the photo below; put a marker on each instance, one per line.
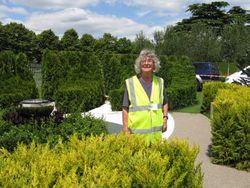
(104, 161)
(209, 93)
(231, 128)
(11, 135)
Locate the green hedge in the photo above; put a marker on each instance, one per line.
(116, 99)
(14, 90)
(106, 161)
(17, 82)
(181, 88)
(231, 128)
(11, 135)
(79, 96)
(73, 79)
(209, 93)
(116, 68)
(181, 96)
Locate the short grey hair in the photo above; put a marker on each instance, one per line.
(147, 53)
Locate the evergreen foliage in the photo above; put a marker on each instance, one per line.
(79, 96)
(50, 132)
(17, 81)
(105, 161)
(116, 98)
(180, 83)
(17, 38)
(73, 79)
(210, 91)
(70, 41)
(231, 128)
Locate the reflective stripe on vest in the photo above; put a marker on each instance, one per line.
(143, 108)
(147, 131)
(145, 117)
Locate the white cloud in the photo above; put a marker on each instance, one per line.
(52, 4)
(158, 5)
(84, 21)
(8, 20)
(174, 7)
(143, 13)
(4, 10)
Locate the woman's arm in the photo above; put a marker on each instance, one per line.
(125, 120)
(165, 117)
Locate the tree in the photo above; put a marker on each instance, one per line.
(238, 15)
(22, 67)
(175, 43)
(107, 43)
(235, 43)
(204, 44)
(211, 14)
(159, 40)
(87, 43)
(124, 46)
(3, 37)
(112, 69)
(46, 40)
(200, 43)
(141, 42)
(19, 39)
(70, 41)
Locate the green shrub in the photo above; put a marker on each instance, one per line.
(105, 161)
(116, 68)
(73, 79)
(15, 89)
(51, 74)
(11, 135)
(209, 92)
(79, 96)
(116, 99)
(179, 78)
(87, 126)
(17, 82)
(181, 96)
(231, 128)
(112, 72)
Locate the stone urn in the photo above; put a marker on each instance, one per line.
(35, 107)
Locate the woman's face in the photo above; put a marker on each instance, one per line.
(147, 65)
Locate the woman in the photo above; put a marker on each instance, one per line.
(145, 104)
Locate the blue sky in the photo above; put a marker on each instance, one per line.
(120, 18)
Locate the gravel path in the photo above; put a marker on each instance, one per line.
(196, 129)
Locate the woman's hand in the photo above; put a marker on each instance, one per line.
(165, 125)
(126, 130)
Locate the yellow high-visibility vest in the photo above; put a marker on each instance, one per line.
(145, 115)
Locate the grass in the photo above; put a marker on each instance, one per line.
(196, 108)
(225, 67)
